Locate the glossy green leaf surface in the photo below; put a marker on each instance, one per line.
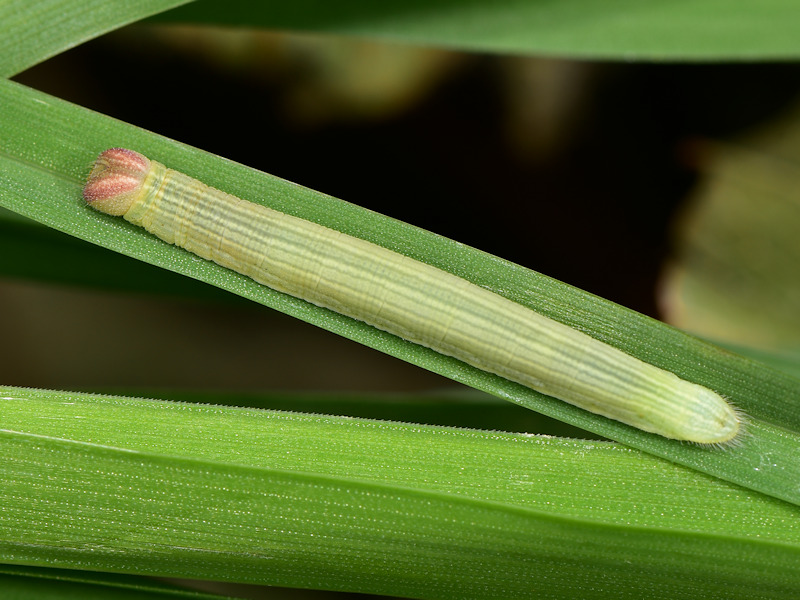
(134, 485)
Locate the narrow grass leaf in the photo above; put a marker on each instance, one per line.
(612, 29)
(181, 490)
(31, 32)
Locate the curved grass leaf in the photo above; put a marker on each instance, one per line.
(169, 489)
(27, 250)
(31, 32)
(612, 29)
(49, 144)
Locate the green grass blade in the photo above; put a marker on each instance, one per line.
(31, 32)
(140, 486)
(27, 250)
(37, 583)
(787, 361)
(49, 144)
(454, 408)
(611, 29)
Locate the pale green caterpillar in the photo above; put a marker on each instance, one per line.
(407, 298)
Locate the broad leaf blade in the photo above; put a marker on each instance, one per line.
(140, 486)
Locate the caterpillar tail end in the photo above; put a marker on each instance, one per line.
(116, 180)
(711, 420)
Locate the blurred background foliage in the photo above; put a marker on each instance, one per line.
(735, 274)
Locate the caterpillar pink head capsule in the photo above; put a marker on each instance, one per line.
(115, 181)
(407, 298)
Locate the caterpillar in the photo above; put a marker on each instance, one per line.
(405, 297)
